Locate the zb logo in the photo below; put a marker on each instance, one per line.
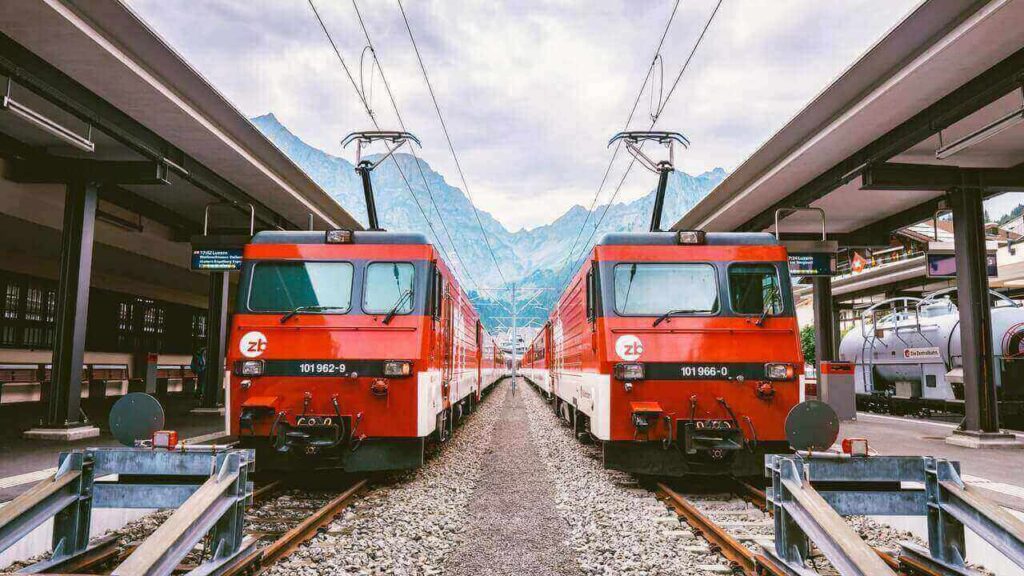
(253, 344)
(629, 348)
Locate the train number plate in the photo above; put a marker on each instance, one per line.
(704, 371)
(322, 368)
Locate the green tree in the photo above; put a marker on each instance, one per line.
(807, 343)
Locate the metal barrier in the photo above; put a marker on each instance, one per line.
(878, 486)
(209, 486)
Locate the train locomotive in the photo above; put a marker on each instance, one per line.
(678, 352)
(350, 349)
(907, 357)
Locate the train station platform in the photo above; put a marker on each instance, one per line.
(25, 462)
(894, 436)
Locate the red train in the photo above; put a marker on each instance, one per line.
(533, 365)
(678, 351)
(349, 350)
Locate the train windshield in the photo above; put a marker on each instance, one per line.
(754, 289)
(388, 288)
(654, 289)
(285, 286)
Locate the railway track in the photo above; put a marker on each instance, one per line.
(282, 523)
(730, 524)
(737, 523)
(281, 519)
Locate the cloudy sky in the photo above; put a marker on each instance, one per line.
(531, 90)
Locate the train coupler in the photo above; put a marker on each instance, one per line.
(715, 437)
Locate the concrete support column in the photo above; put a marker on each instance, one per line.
(64, 420)
(216, 340)
(824, 321)
(981, 425)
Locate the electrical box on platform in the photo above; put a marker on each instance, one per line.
(836, 388)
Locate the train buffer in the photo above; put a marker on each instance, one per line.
(209, 488)
(810, 492)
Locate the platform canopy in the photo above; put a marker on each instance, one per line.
(935, 104)
(165, 141)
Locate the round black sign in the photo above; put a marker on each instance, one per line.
(812, 425)
(136, 416)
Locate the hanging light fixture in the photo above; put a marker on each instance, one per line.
(22, 111)
(977, 137)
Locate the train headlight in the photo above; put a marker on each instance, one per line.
(249, 368)
(690, 237)
(397, 368)
(338, 237)
(779, 371)
(629, 371)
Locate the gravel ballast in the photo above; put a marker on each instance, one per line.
(615, 526)
(514, 526)
(410, 524)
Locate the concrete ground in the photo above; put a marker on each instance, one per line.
(19, 456)
(896, 436)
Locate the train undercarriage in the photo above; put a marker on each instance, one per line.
(691, 453)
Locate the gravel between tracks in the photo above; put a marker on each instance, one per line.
(514, 527)
(410, 523)
(615, 526)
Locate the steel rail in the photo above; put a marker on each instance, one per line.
(725, 544)
(259, 560)
(100, 552)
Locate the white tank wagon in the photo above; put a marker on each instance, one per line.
(907, 356)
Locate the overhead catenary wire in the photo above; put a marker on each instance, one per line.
(373, 119)
(654, 121)
(618, 144)
(447, 135)
(419, 166)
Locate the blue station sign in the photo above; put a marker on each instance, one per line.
(217, 259)
(812, 264)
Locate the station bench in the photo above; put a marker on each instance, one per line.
(31, 382)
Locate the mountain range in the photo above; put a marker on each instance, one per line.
(534, 258)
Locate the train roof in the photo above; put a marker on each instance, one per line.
(669, 238)
(319, 237)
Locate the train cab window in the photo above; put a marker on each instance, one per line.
(754, 289)
(285, 286)
(652, 289)
(590, 296)
(389, 286)
(437, 295)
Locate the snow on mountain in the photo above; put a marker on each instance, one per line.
(532, 257)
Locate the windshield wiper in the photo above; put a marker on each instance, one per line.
(773, 296)
(308, 308)
(671, 313)
(629, 285)
(394, 309)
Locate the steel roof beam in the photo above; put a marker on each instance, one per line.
(56, 170)
(893, 176)
(984, 89)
